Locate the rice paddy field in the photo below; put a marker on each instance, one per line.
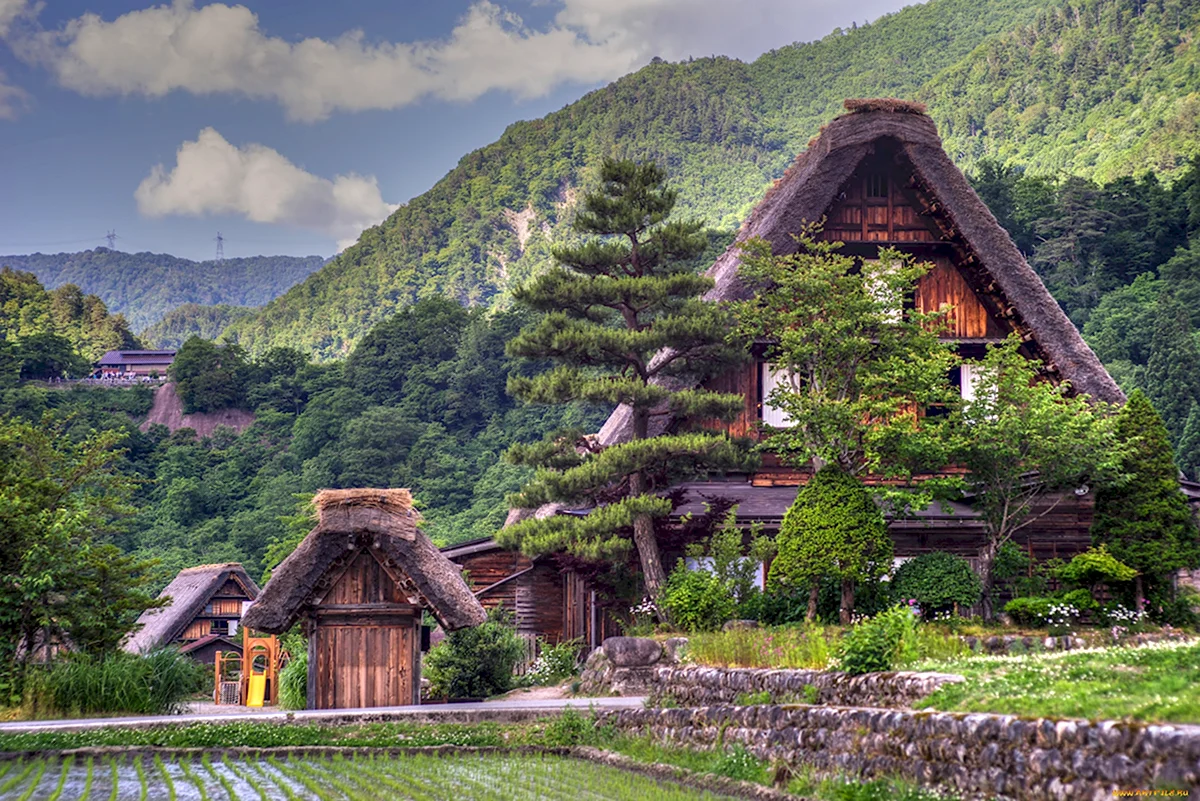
(419, 778)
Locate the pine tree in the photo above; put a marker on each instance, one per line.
(1146, 522)
(624, 320)
(1189, 444)
(1173, 372)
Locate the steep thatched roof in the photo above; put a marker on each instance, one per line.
(348, 520)
(810, 186)
(190, 592)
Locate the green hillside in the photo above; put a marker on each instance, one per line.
(192, 319)
(1097, 88)
(145, 286)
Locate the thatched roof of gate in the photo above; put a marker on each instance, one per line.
(348, 520)
(807, 190)
(190, 592)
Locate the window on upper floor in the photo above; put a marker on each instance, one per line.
(876, 185)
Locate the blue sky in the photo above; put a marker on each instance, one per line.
(290, 125)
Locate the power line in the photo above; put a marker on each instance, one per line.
(220, 247)
(112, 237)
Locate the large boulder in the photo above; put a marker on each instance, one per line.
(627, 652)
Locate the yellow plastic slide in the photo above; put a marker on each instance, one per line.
(257, 690)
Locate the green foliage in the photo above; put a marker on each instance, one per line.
(936, 581)
(192, 320)
(697, 600)
(61, 495)
(293, 681)
(156, 683)
(555, 662)
(835, 529)
(1017, 425)
(807, 646)
(881, 643)
(56, 333)
(611, 305)
(1096, 566)
(146, 286)
(1029, 611)
(210, 377)
(1145, 521)
(475, 662)
(738, 763)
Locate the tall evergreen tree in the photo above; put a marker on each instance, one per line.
(1146, 522)
(1173, 372)
(1189, 444)
(624, 320)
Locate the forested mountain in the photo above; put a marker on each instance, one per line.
(145, 286)
(192, 320)
(1094, 88)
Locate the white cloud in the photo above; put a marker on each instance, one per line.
(219, 48)
(9, 11)
(212, 176)
(12, 99)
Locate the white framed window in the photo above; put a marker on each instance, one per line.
(769, 378)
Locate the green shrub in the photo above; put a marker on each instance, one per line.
(936, 581)
(697, 600)
(760, 698)
(1029, 611)
(738, 763)
(882, 643)
(156, 683)
(555, 662)
(293, 682)
(1096, 566)
(476, 662)
(571, 728)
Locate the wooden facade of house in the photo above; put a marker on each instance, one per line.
(876, 178)
(206, 601)
(360, 582)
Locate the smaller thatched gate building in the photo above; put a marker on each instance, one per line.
(360, 581)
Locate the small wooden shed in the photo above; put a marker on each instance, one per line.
(205, 600)
(360, 581)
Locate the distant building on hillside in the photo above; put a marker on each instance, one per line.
(205, 601)
(134, 363)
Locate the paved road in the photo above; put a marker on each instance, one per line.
(512, 710)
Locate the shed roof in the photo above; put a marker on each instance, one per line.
(348, 520)
(189, 592)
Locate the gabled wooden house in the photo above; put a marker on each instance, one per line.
(205, 600)
(878, 177)
(360, 582)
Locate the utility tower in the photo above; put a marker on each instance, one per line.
(112, 238)
(220, 247)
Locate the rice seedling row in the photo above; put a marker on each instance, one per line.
(339, 778)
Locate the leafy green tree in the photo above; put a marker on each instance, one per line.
(1145, 522)
(1173, 371)
(853, 368)
(62, 580)
(209, 377)
(1096, 566)
(47, 355)
(1025, 442)
(834, 528)
(1189, 445)
(623, 318)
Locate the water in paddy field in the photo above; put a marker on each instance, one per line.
(147, 777)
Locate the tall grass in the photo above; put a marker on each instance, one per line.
(798, 647)
(156, 683)
(293, 682)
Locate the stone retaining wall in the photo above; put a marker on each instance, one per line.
(975, 755)
(705, 686)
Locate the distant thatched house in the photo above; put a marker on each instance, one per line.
(205, 600)
(877, 177)
(359, 582)
(135, 363)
